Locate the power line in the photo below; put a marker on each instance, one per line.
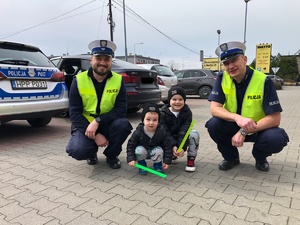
(45, 22)
(156, 29)
(132, 14)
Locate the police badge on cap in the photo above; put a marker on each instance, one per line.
(230, 50)
(102, 47)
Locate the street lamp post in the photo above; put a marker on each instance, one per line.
(134, 59)
(219, 32)
(125, 38)
(245, 28)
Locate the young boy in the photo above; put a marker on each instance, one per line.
(176, 117)
(149, 140)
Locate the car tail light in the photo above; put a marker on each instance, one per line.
(58, 77)
(2, 76)
(130, 79)
(160, 81)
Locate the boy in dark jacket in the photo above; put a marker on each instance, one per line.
(149, 140)
(176, 117)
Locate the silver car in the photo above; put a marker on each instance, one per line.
(165, 78)
(31, 87)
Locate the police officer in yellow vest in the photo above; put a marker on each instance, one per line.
(245, 108)
(97, 107)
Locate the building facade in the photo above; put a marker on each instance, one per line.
(139, 59)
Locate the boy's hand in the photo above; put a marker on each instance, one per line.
(165, 166)
(131, 163)
(178, 154)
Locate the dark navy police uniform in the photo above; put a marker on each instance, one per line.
(266, 142)
(114, 126)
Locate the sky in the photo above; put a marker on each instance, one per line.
(168, 30)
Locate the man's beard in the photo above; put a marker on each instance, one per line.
(100, 71)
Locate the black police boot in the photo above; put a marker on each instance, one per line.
(93, 160)
(227, 165)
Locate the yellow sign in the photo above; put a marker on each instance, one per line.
(263, 57)
(211, 63)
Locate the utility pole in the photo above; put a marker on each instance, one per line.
(110, 21)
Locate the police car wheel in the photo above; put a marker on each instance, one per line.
(39, 122)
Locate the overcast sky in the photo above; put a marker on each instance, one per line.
(169, 29)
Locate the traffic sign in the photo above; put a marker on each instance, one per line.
(263, 57)
(275, 69)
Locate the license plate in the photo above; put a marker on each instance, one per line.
(28, 84)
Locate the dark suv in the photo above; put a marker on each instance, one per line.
(141, 84)
(196, 81)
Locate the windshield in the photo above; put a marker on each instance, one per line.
(164, 71)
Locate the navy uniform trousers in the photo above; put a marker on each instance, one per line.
(266, 142)
(81, 147)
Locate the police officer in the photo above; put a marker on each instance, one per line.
(245, 108)
(97, 107)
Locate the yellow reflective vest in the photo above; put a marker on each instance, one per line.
(88, 94)
(252, 106)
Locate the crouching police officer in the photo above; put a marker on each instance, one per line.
(97, 108)
(245, 108)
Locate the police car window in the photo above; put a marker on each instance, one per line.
(35, 58)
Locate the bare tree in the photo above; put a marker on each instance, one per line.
(174, 66)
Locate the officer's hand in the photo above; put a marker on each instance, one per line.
(246, 123)
(238, 140)
(91, 129)
(101, 140)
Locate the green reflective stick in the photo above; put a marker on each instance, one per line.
(150, 170)
(186, 135)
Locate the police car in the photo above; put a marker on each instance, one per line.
(31, 87)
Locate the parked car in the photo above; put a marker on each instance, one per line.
(31, 87)
(196, 81)
(165, 76)
(276, 78)
(141, 84)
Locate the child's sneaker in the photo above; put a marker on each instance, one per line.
(174, 159)
(158, 166)
(142, 163)
(190, 167)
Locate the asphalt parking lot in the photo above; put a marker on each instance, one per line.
(40, 184)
